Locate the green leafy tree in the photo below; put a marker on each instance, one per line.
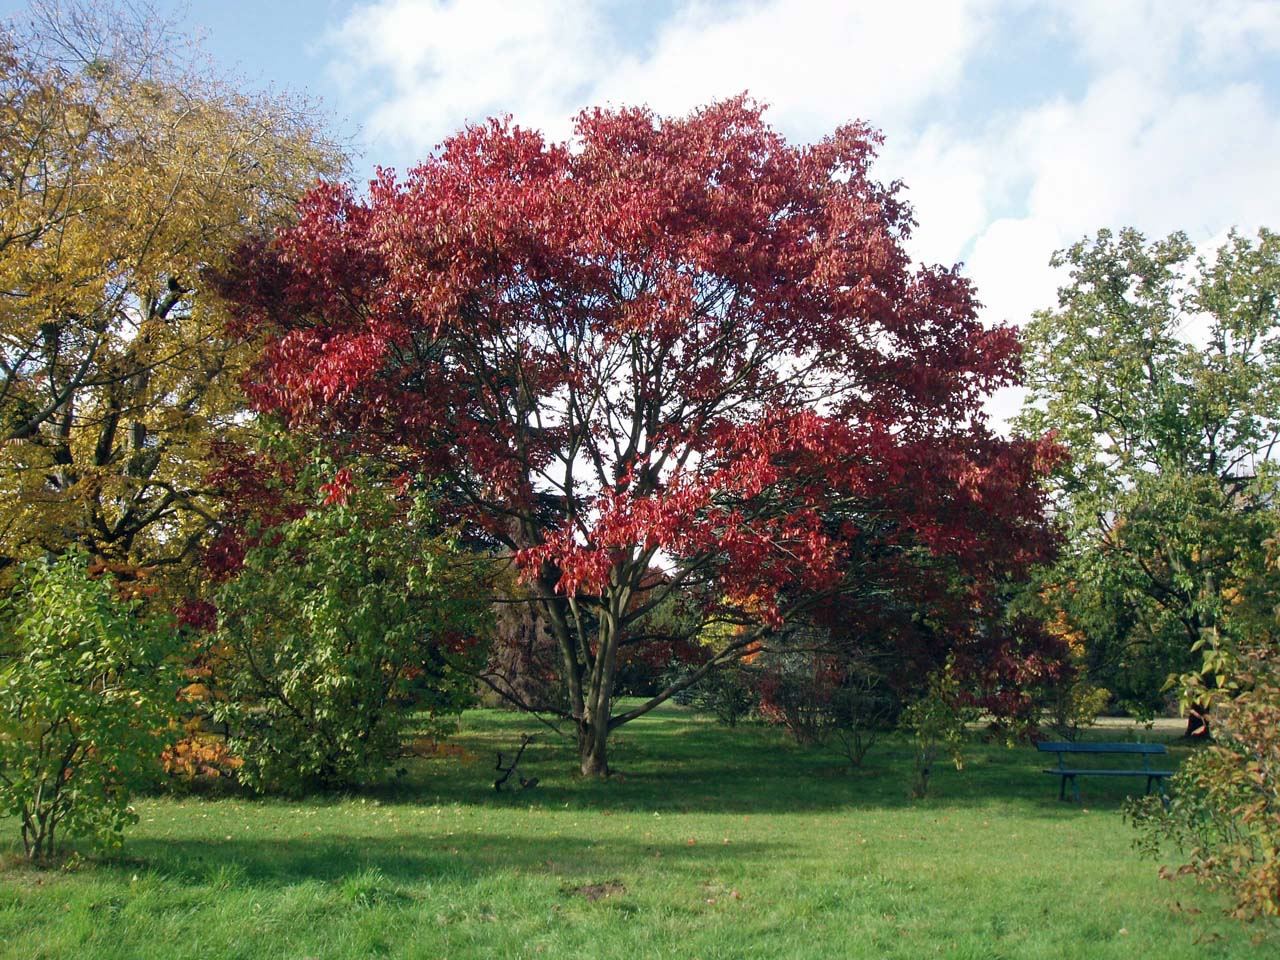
(87, 700)
(1159, 372)
(344, 625)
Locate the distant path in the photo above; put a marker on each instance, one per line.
(1164, 726)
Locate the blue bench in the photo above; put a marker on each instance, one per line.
(1065, 748)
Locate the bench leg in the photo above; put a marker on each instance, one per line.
(1164, 796)
(1075, 787)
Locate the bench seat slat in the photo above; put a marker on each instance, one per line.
(1047, 746)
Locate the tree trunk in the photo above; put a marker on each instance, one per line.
(589, 673)
(593, 740)
(1197, 724)
(593, 728)
(1205, 632)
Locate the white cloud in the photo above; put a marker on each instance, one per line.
(1159, 36)
(1010, 265)
(1244, 29)
(952, 186)
(426, 67)
(1140, 35)
(1130, 154)
(819, 63)
(1124, 155)
(1140, 147)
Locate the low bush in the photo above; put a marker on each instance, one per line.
(88, 691)
(1224, 818)
(822, 699)
(938, 723)
(343, 625)
(725, 693)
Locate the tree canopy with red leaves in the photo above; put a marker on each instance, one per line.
(671, 344)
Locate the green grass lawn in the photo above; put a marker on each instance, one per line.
(711, 843)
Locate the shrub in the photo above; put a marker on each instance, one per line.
(825, 699)
(865, 708)
(797, 691)
(1225, 814)
(726, 693)
(523, 663)
(1075, 704)
(342, 624)
(87, 697)
(937, 723)
(198, 756)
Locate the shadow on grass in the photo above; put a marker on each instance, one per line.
(673, 764)
(416, 860)
(679, 763)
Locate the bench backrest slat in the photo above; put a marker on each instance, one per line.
(1068, 747)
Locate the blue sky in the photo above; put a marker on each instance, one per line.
(1018, 126)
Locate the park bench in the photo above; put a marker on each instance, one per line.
(1065, 748)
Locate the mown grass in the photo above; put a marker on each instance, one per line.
(710, 843)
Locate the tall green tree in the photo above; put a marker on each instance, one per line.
(1159, 372)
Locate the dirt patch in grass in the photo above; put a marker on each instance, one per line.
(600, 891)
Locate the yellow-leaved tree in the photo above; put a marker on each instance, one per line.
(128, 172)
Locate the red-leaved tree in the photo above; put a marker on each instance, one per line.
(680, 345)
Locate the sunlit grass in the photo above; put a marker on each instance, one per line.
(710, 843)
